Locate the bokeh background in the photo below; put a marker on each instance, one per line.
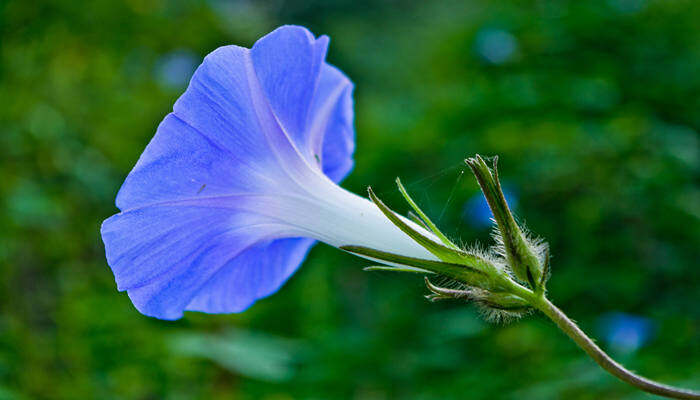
(593, 107)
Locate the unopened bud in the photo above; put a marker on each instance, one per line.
(520, 253)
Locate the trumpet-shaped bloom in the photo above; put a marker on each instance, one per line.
(240, 180)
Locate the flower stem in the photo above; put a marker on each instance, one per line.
(604, 360)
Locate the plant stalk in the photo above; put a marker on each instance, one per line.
(604, 360)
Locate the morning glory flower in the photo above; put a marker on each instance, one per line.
(240, 181)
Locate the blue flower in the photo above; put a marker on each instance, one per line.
(476, 210)
(626, 333)
(240, 180)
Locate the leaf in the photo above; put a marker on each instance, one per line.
(252, 354)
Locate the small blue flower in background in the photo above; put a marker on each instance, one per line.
(495, 45)
(240, 180)
(174, 69)
(477, 212)
(625, 333)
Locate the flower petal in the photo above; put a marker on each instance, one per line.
(253, 274)
(182, 163)
(331, 127)
(219, 103)
(162, 255)
(251, 123)
(287, 64)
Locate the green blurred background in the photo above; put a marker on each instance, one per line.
(593, 107)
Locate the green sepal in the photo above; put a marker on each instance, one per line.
(439, 293)
(504, 301)
(462, 273)
(431, 226)
(396, 269)
(500, 305)
(446, 254)
(545, 270)
(415, 218)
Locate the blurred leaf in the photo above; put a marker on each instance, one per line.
(252, 354)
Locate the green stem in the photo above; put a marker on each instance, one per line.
(604, 360)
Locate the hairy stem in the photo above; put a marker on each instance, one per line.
(604, 360)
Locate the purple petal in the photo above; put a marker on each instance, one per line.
(251, 123)
(163, 254)
(290, 90)
(255, 273)
(182, 163)
(220, 104)
(332, 125)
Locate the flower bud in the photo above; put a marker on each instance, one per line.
(524, 256)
